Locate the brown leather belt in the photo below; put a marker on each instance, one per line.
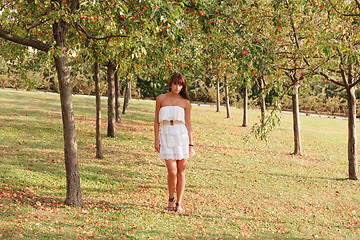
(171, 122)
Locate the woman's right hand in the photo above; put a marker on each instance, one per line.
(157, 147)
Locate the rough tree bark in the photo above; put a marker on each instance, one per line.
(99, 151)
(111, 130)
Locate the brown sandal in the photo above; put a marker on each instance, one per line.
(178, 208)
(171, 201)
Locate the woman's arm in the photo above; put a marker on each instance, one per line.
(157, 124)
(189, 127)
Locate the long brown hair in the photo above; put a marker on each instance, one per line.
(178, 78)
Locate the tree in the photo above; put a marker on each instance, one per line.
(339, 50)
(280, 51)
(289, 19)
(28, 24)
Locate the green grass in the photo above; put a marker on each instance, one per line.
(235, 189)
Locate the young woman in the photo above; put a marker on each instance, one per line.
(174, 141)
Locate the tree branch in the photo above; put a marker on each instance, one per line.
(346, 14)
(275, 107)
(331, 79)
(35, 24)
(358, 4)
(291, 69)
(40, 21)
(351, 15)
(289, 76)
(236, 41)
(24, 41)
(283, 53)
(355, 83)
(294, 31)
(346, 83)
(332, 5)
(82, 29)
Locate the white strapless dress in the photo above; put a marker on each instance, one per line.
(174, 139)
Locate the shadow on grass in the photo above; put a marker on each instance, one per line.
(25, 197)
(342, 179)
(295, 176)
(50, 124)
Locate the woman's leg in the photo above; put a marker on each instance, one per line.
(171, 180)
(180, 186)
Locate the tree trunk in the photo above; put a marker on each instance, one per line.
(263, 108)
(73, 189)
(245, 117)
(352, 156)
(126, 95)
(99, 151)
(129, 93)
(111, 130)
(217, 94)
(296, 122)
(262, 99)
(117, 98)
(227, 98)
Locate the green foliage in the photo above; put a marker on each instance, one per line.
(284, 42)
(267, 124)
(151, 87)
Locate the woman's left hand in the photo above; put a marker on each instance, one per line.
(191, 151)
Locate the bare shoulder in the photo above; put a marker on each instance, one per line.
(160, 97)
(187, 103)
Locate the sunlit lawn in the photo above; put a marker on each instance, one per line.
(235, 189)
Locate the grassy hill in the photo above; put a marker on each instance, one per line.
(235, 189)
